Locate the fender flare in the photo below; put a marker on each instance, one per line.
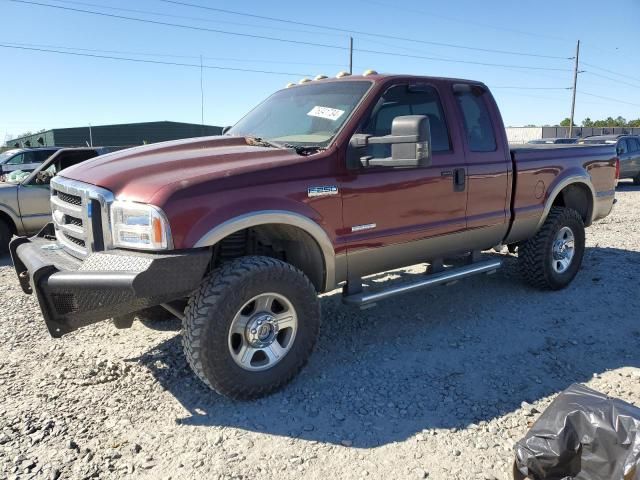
(283, 217)
(561, 185)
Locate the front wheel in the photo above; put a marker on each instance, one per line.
(251, 326)
(551, 259)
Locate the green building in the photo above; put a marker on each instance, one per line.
(122, 135)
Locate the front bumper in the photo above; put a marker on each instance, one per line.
(75, 293)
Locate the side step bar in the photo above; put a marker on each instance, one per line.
(431, 280)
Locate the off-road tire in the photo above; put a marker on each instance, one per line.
(5, 236)
(210, 312)
(535, 255)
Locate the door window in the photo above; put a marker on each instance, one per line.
(622, 147)
(42, 155)
(16, 160)
(477, 120)
(407, 100)
(633, 144)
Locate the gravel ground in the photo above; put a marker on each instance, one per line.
(438, 384)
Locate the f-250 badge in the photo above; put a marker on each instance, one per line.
(322, 191)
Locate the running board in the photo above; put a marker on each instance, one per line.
(448, 276)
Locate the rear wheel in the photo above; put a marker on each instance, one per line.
(636, 179)
(5, 236)
(251, 326)
(552, 258)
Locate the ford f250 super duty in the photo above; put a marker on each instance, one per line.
(324, 183)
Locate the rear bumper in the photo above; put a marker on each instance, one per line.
(74, 293)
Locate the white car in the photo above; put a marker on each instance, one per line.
(26, 159)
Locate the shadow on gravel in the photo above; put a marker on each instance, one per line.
(442, 358)
(5, 260)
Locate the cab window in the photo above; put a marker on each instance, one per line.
(407, 100)
(16, 159)
(477, 120)
(621, 149)
(633, 144)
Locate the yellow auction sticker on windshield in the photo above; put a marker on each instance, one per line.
(332, 114)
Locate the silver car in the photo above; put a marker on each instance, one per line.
(24, 203)
(25, 159)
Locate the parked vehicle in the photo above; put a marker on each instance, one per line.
(322, 184)
(551, 140)
(25, 159)
(627, 149)
(25, 205)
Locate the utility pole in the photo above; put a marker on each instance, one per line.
(351, 55)
(90, 136)
(575, 82)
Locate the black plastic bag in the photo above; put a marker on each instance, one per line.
(583, 435)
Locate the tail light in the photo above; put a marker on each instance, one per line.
(617, 170)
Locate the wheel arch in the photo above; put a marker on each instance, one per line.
(313, 252)
(9, 220)
(573, 192)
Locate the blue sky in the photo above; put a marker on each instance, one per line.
(46, 90)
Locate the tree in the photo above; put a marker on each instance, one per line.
(634, 123)
(587, 122)
(566, 122)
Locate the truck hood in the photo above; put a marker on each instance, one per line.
(142, 172)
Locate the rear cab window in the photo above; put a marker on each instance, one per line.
(478, 127)
(622, 148)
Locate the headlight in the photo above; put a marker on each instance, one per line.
(139, 226)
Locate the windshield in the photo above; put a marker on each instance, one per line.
(7, 155)
(305, 115)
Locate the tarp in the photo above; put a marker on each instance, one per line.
(582, 435)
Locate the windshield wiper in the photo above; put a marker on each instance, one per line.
(305, 149)
(261, 142)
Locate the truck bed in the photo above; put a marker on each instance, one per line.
(537, 170)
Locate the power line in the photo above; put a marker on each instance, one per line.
(178, 25)
(359, 32)
(186, 17)
(465, 22)
(468, 62)
(169, 55)
(612, 79)
(298, 42)
(156, 62)
(610, 71)
(609, 98)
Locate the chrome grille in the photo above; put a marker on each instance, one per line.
(80, 216)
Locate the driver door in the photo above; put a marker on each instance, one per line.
(397, 216)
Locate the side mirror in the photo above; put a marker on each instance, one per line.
(226, 129)
(410, 142)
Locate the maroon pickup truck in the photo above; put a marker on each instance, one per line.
(322, 184)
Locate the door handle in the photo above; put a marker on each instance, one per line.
(459, 179)
(459, 176)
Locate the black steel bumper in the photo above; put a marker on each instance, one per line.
(74, 293)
